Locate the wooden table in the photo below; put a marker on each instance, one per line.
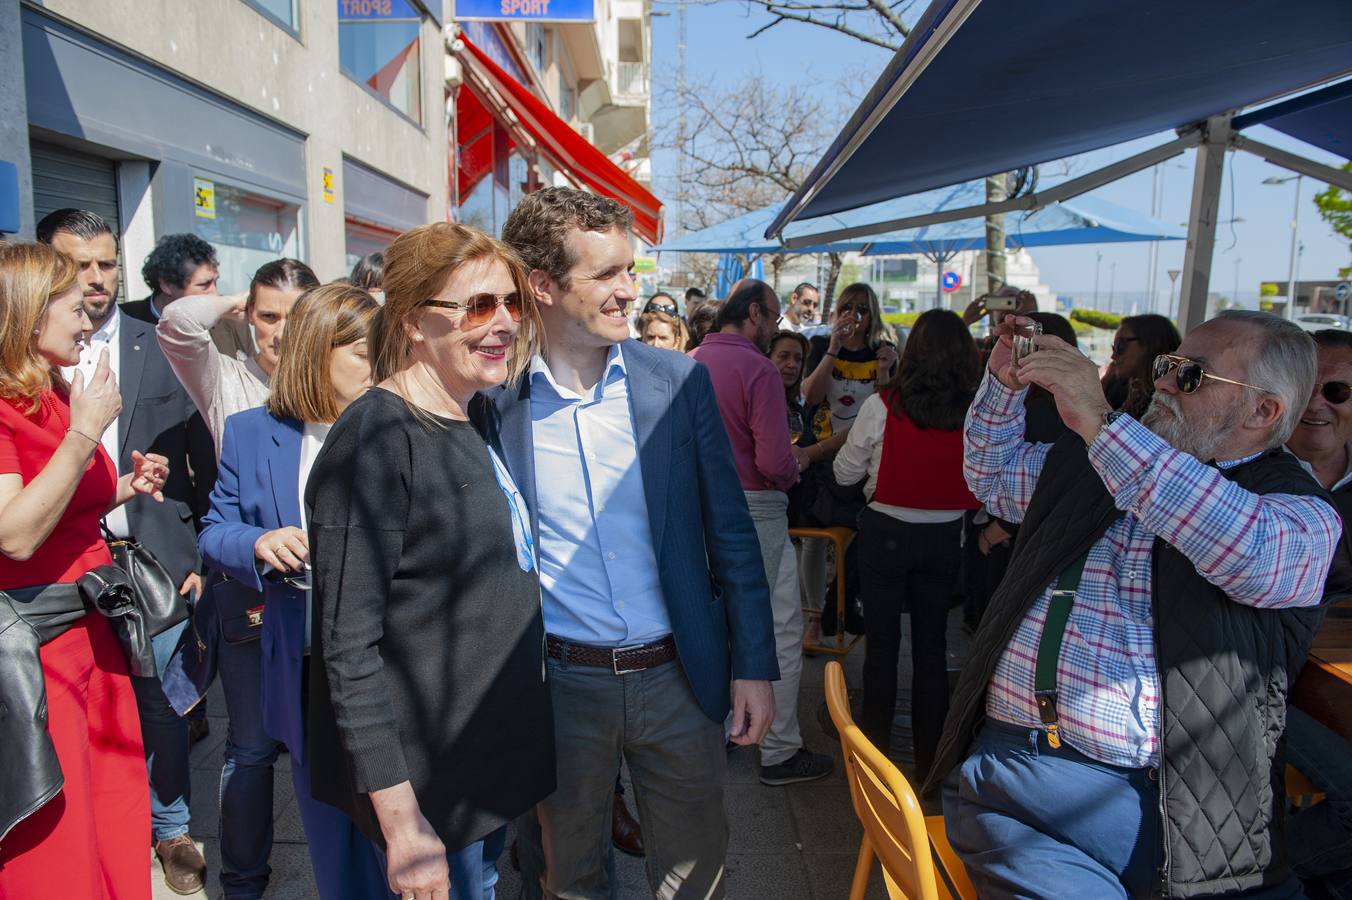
(1324, 689)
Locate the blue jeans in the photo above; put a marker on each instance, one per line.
(1030, 821)
(474, 869)
(1319, 839)
(165, 736)
(246, 777)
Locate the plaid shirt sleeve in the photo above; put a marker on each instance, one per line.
(1000, 467)
(1269, 551)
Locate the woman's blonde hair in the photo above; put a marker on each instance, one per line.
(417, 266)
(859, 291)
(30, 275)
(323, 319)
(675, 323)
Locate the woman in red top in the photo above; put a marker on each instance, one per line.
(90, 840)
(907, 440)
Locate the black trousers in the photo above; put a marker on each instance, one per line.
(907, 567)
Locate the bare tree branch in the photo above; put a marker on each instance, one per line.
(875, 22)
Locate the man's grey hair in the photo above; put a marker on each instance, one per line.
(1285, 365)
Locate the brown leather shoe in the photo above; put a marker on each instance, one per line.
(625, 832)
(185, 871)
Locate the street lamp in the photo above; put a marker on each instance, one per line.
(1295, 230)
(1234, 299)
(1098, 260)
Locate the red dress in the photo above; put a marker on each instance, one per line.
(92, 839)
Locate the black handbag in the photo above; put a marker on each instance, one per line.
(158, 606)
(239, 609)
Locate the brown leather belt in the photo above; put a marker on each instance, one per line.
(620, 660)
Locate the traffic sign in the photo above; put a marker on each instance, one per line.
(1174, 273)
(1342, 292)
(951, 282)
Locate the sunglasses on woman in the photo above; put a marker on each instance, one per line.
(1120, 345)
(1335, 392)
(1189, 374)
(480, 308)
(660, 307)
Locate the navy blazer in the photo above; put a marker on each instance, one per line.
(708, 556)
(257, 491)
(158, 417)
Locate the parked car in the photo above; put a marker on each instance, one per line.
(1320, 321)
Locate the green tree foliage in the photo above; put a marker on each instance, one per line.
(1335, 207)
(1096, 318)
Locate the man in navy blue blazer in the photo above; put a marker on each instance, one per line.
(654, 593)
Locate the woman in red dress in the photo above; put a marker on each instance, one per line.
(90, 838)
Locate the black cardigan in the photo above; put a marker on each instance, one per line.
(427, 661)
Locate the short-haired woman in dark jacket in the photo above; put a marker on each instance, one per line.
(907, 441)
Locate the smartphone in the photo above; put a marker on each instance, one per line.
(997, 303)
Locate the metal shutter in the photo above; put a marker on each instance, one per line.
(63, 177)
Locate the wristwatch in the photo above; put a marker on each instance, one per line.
(1109, 418)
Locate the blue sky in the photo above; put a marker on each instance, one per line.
(814, 59)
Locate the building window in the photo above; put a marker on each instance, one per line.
(378, 47)
(247, 231)
(567, 103)
(537, 40)
(284, 12)
(363, 240)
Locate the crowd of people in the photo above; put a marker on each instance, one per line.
(469, 531)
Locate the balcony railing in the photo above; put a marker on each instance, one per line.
(631, 79)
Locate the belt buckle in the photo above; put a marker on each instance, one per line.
(615, 659)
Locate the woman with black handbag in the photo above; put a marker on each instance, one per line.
(74, 807)
(255, 535)
(907, 442)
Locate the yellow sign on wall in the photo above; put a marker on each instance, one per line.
(328, 185)
(204, 198)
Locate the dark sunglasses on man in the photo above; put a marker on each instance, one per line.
(480, 308)
(1189, 374)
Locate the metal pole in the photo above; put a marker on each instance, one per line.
(1291, 272)
(1098, 261)
(1235, 299)
(1206, 198)
(1112, 281)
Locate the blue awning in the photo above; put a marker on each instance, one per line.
(1083, 220)
(986, 86)
(1322, 118)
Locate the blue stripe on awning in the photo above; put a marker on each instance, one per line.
(1322, 118)
(1019, 84)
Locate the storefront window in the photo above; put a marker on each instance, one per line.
(247, 231)
(378, 47)
(363, 239)
(283, 12)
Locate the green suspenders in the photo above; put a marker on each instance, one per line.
(1049, 647)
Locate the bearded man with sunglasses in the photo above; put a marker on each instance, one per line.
(1114, 732)
(655, 598)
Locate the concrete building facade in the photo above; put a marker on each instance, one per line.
(306, 128)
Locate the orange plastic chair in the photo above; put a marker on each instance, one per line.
(917, 862)
(840, 537)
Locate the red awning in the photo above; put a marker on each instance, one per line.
(555, 138)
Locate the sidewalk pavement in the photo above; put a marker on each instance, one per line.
(797, 842)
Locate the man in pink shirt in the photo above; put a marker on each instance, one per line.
(750, 395)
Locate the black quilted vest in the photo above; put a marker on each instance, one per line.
(1225, 672)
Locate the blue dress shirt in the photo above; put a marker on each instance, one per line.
(598, 570)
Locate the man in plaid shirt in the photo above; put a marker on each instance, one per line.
(1065, 794)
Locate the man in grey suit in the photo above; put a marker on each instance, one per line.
(157, 416)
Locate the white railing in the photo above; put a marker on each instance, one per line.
(631, 79)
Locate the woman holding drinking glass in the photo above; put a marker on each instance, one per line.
(255, 534)
(430, 721)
